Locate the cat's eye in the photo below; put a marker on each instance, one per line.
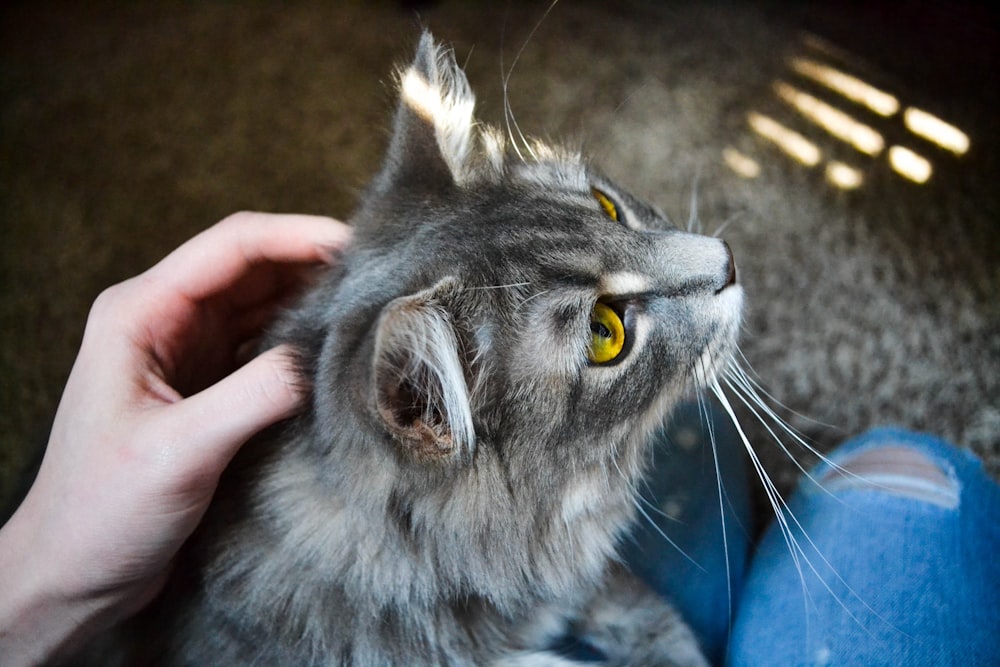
(607, 205)
(607, 334)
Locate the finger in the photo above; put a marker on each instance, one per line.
(218, 257)
(215, 422)
(245, 317)
(269, 283)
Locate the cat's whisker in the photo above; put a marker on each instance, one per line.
(726, 224)
(628, 98)
(498, 287)
(508, 112)
(533, 296)
(509, 119)
(741, 367)
(694, 222)
(737, 378)
(744, 387)
(703, 410)
(656, 510)
(638, 506)
(778, 505)
(786, 519)
(747, 389)
(774, 436)
(507, 122)
(468, 56)
(739, 390)
(512, 126)
(666, 537)
(753, 390)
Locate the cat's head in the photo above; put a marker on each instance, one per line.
(509, 324)
(516, 279)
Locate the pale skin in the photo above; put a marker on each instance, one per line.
(155, 407)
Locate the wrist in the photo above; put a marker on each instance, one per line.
(38, 620)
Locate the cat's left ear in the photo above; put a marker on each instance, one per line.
(421, 394)
(434, 129)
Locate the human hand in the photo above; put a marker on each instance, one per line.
(155, 407)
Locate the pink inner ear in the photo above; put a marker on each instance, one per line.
(895, 469)
(406, 419)
(420, 386)
(405, 398)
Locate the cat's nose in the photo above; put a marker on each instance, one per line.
(730, 268)
(691, 264)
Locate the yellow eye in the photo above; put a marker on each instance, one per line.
(606, 204)
(607, 334)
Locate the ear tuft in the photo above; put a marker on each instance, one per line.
(434, 131)
(437, 91)
(420, 388)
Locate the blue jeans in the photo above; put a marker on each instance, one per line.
(897, 559)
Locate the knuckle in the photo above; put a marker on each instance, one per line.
(108, 303)
(119, 304)
(240, 219)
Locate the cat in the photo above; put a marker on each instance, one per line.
(486, 364)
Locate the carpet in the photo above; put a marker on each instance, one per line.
(869, 256)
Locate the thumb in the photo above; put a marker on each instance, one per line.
(219, 419)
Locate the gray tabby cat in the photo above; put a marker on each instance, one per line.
(487, 364)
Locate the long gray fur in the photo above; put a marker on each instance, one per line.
(455, 493)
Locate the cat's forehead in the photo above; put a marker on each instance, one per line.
(552, 167)
(556, 242)
(458, 194)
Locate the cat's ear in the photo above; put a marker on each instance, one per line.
(420, 390)
(434, 129)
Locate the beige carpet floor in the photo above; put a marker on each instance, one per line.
(873, 299)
